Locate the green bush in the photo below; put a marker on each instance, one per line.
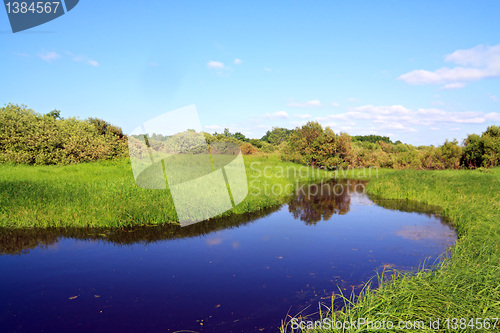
(315, 146)
(27, 137)
(482, 151)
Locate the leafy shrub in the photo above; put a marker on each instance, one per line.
(30, 138)
(277, 136)
(482, 151)
(313, 145)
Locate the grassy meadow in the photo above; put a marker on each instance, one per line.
(104, 194)
(466, 285)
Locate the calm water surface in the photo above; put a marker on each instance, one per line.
(227, 275)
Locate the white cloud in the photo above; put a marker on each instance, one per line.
(279, 114)
(456, 85)
(335, 104)
(22, 54)
(267, 69)
(492, 117)
(474, 64)
(82, 58)
(153, 64)
(478, 56)
(238, 61)
(49, 56)
(93, 63)
(308, 104)
(400, 118)
(298, 123)
(214, 127)
(493, 98)
(215, 65)
(303, 116)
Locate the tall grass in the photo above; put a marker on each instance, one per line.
(466, 285)
(104, 194)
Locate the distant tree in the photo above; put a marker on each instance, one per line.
(493, 131)
(55, 114)
(473, 151)
(277, 135)
(27, 137)
(240, 137)
(450, 154)
(313, 145)
(256, 142)
(482, 151)
(372, 138)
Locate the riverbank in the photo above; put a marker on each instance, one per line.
(467, 285)
(104, 194)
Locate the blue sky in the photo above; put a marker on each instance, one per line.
(419, 72)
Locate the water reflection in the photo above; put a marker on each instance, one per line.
(312, 203)
(234, 274)
(21, 241)
(315, 202)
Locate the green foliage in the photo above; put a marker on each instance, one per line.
(27, 137)
(240, 136)
(465, 285)
(104, 193)
(372, 138)
(315, 146)
(55, 114)
(482, 151)
(277, 136)
(493, 131)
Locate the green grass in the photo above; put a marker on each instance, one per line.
(104, 194)
(467, 285)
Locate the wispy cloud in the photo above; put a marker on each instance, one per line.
(303, 116)
(473, 64)
(267, 69)
(83, 59)
(456, 85)
(238, 61)
(279, 114)
(22, 54)
(398, 117)
(52, 56)
(308, 104)
(49, 56)
(214, 127)
(215, 64)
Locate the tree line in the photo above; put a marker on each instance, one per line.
(27, 137)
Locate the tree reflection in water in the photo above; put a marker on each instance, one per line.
(311, 204)
(315, 202)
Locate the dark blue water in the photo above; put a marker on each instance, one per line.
(228, 275)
